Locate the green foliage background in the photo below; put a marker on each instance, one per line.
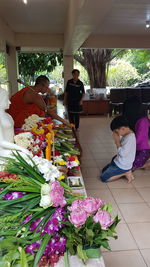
(32, 65)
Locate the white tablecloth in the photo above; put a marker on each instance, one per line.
(74, 261)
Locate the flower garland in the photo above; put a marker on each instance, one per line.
(30, 122)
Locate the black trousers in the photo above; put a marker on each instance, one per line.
(74, 118)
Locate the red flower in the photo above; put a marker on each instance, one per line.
(46, 131)
(77, 168)
(7, 175)
(41, 137)
(57, 153)
(43, 261)
(47, 120)
(53, 258)
(72, 158)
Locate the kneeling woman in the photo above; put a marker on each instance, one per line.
(140, 123)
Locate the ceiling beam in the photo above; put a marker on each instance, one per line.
(117, 41)
(39, 40)
(83, 17)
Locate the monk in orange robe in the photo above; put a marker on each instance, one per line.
(28, 101)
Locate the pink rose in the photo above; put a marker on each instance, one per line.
(104, 218)
(57, 194)
(91, 204)
(78, 217)
(56, 185)
(57, 198)
(76, 204)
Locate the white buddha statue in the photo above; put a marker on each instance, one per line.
(7, 129)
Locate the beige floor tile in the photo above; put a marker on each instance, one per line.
(116, 211)
(126, 195)
(86, 163)
(104, 155)
(86, 156)
(142, 172)
(123, 259)
(146, 256)
(141, 181)
(121, 183)
(94, 183)
(145, 193)
(125, 240)
(101, 163)
(135, 212)
(104, 194)
(97, 150)
(90, 172)
(141, 233)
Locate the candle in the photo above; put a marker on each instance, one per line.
(48, 152)
(53, 145)
(48, 148)
(49, 139)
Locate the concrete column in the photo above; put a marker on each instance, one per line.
(68, 67)
(12, 69)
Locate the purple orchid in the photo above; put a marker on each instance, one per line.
(27, 218)
(13, 195)
(31, 248)
(34, 224)
(57, 245)
(52, 226)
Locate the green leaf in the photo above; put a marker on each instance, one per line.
(89, 233)
(98, 241)
(108, 207)
(81, 253)
(4, 203)
(23, 258)
(41, 249)
(26, 189)
(32, 203)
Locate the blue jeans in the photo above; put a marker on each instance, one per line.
(111, 170)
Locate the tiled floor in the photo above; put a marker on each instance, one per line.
(130, 201)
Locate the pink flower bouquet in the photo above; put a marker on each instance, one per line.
(91, 224)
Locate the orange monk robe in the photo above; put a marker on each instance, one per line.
(20, 110)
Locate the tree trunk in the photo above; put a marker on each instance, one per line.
(95, 62)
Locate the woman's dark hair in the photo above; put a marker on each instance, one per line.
(75, 70)
(41, 79)
(133, 110)
(118, 122)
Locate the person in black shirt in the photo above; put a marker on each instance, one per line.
(74, 93)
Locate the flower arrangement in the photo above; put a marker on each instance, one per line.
(65, 146)
(52, 195)
(41, 219)
(89, 227)
(23, 139)
(43, 127)
(46, 168)
(34, 143)
(72, 161)
(30, 122)
(68, 160)
(27, 218)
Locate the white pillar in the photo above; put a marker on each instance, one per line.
(12, 69)
(68, 67)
